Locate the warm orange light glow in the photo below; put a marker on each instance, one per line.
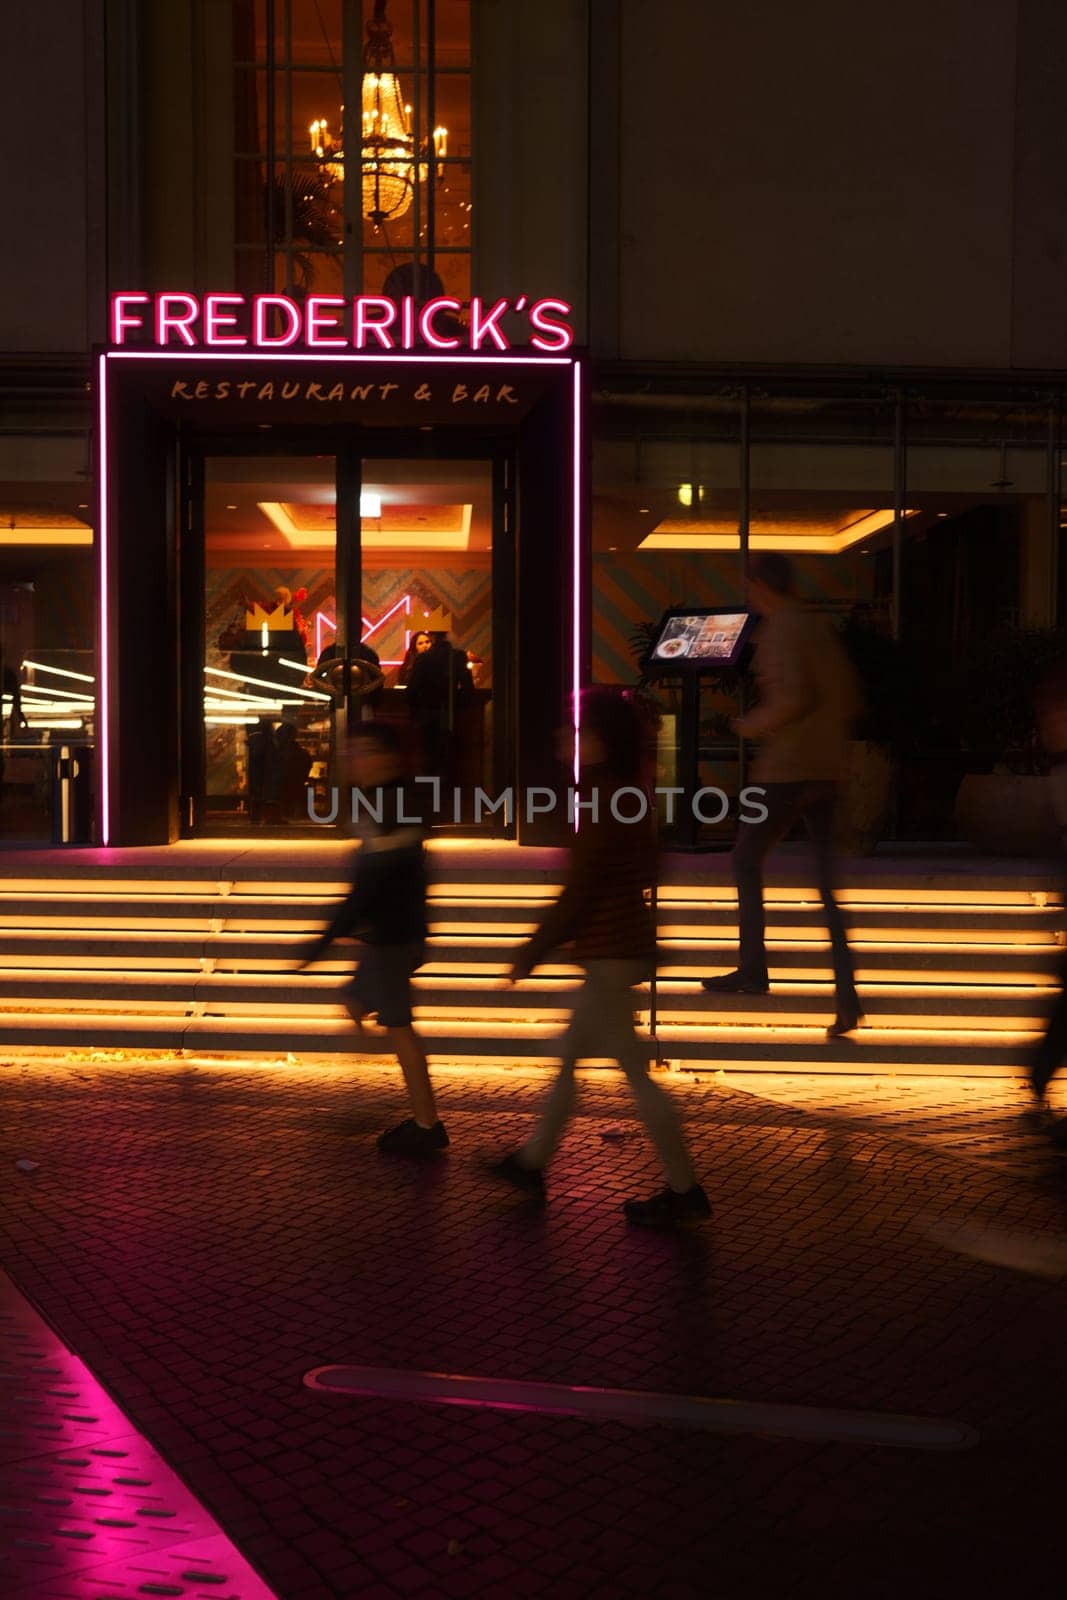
(701, 533)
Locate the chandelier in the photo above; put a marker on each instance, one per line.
(387, 145)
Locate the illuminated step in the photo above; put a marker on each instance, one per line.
(973, 893)
(797, 1049)
(691, 901)
(312, 870)
(278, 953)
(679, 1005)
(986, 931)
(234, 917)
(797, 960)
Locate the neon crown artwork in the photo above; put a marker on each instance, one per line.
(276, 621)
(439, 621)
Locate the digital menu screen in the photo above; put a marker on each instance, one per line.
(700, 638)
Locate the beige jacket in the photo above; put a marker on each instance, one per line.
(809, 699)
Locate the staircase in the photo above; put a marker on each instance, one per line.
(192, 948)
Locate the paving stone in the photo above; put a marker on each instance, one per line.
(202, 1287)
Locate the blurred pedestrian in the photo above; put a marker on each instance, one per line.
(386, 910)
(808, 700)
(603, 909)
(1051, 706)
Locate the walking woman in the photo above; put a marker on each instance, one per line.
(603, 908)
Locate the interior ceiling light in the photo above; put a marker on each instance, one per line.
(448, 530)
(370, 505)
(387, 146)
(822, 537)
(16, 532)
(690, 494)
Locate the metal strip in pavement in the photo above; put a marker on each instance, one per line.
(641, 1406)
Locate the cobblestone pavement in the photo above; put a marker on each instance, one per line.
(203, 1234)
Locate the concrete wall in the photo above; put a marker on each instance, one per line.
(51, 175)
(112, 113)
(186, 66)
(832, 183)
(529, 130)
(704, 181)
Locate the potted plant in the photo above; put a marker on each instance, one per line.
(1005, 809)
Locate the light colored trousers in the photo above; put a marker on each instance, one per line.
(602, 1024)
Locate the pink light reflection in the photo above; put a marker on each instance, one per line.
(104, 673)
(576, 574)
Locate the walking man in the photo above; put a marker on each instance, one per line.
(808, 700)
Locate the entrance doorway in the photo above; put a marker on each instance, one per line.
(327, 589)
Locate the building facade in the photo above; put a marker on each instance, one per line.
(814, 264)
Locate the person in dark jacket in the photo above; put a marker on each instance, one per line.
(437, 684)
(604, 911)
(386, 910)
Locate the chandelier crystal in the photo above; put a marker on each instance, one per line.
(387, 145)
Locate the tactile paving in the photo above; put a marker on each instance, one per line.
(87, 1507)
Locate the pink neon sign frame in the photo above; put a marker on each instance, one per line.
(320, 328)
(346, 359)
(322, 622)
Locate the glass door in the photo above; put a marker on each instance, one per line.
(428, 612)
(322, 589)
(266, 702)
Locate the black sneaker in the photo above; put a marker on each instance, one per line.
(668, 1207)
(531, 1180)
(408, 1139)
(735, 983)
(1041, 1073)
(847, 1020)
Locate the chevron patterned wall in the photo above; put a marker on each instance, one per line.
(466, 593)
(627, 590)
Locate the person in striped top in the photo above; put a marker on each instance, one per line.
(604, 911)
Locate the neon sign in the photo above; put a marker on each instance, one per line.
(176, 320)
(113, 362)
(322, 622)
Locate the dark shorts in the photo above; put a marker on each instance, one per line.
(381, 984)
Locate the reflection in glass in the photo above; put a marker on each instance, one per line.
(427, 612)
(47, 626)
(270, 614)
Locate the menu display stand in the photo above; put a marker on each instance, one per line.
(692, 643)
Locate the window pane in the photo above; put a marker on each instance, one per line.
(978, 554)
(452, 111)
(316, 33)
(307, 193)
(427, 563)
(452, 207)
(270, 614)
(644, 526)
(47, 631)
